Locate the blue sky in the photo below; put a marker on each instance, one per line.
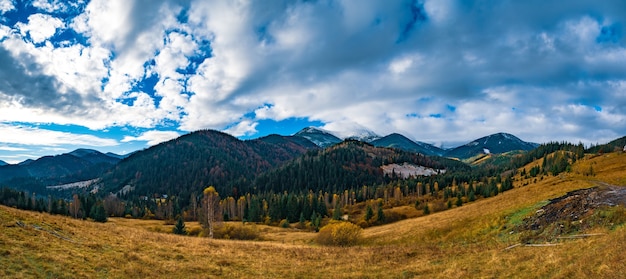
(118, 76)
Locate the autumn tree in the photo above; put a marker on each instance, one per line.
(75, 207)
(211, 208)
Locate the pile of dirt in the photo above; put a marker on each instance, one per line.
(576, 212)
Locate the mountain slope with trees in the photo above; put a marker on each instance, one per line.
(193, 161)
(78, 165)
(399, 141)
(614, 145)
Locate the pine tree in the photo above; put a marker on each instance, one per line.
(459, 201)
(426, 210)
(302, 220)
(98, 213)
(380, 215)
(369, 213)
(179, 228)
(337, 213)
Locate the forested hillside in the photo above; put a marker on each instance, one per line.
(191, 162)
(35, 175)
(347, 165)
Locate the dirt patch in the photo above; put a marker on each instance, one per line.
(576, 212)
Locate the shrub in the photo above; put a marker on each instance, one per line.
(195, 231)
(239, 231)
(339, 234)
(284, 223)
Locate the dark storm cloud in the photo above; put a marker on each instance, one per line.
(22, 80)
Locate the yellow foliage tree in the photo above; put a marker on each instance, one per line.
(211, 204)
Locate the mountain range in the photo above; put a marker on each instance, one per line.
(496, 143)
(80, 164)
(195, 160)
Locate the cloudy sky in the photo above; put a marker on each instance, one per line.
(123, 75)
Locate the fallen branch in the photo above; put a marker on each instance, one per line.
(512, 246)
(541, 245)
(577, 236)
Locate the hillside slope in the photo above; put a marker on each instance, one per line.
(194, 161)
(344, 166)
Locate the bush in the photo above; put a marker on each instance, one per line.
(339, 234)
(284, 223)
(195, 231)
(239, 231)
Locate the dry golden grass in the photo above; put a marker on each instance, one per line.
(468, 241)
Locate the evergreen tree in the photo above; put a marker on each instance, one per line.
(380, 215)
(459, 201)
(426, 210)
(369, 213)
(472, 196)
(302, 220)
(337, 213)
(179, 228)
(98, 213)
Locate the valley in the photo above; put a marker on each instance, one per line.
(466, 241)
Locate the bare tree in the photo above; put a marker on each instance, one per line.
(75, 206)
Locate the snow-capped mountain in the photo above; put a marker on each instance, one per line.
(496, 143)
(318, 136)
(363, 135)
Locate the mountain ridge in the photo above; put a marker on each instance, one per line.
(495, 143)
(77, 165)
(396, 140)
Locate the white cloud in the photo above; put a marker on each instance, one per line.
(243, 128)
(11, 148)
(40, 27)
(6, 5)
(153, 137)
(11, 134)
(51, 6)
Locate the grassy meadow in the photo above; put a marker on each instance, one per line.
(470, 241)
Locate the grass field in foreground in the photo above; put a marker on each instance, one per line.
(468, 241)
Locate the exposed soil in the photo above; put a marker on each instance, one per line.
(577, 211)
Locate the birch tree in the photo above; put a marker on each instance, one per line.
(211, 203)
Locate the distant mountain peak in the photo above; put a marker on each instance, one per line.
(363, 135)
(82, 152)
(318, 136)
(399, 141)
(496, 143)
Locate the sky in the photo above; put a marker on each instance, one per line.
(122, 75)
